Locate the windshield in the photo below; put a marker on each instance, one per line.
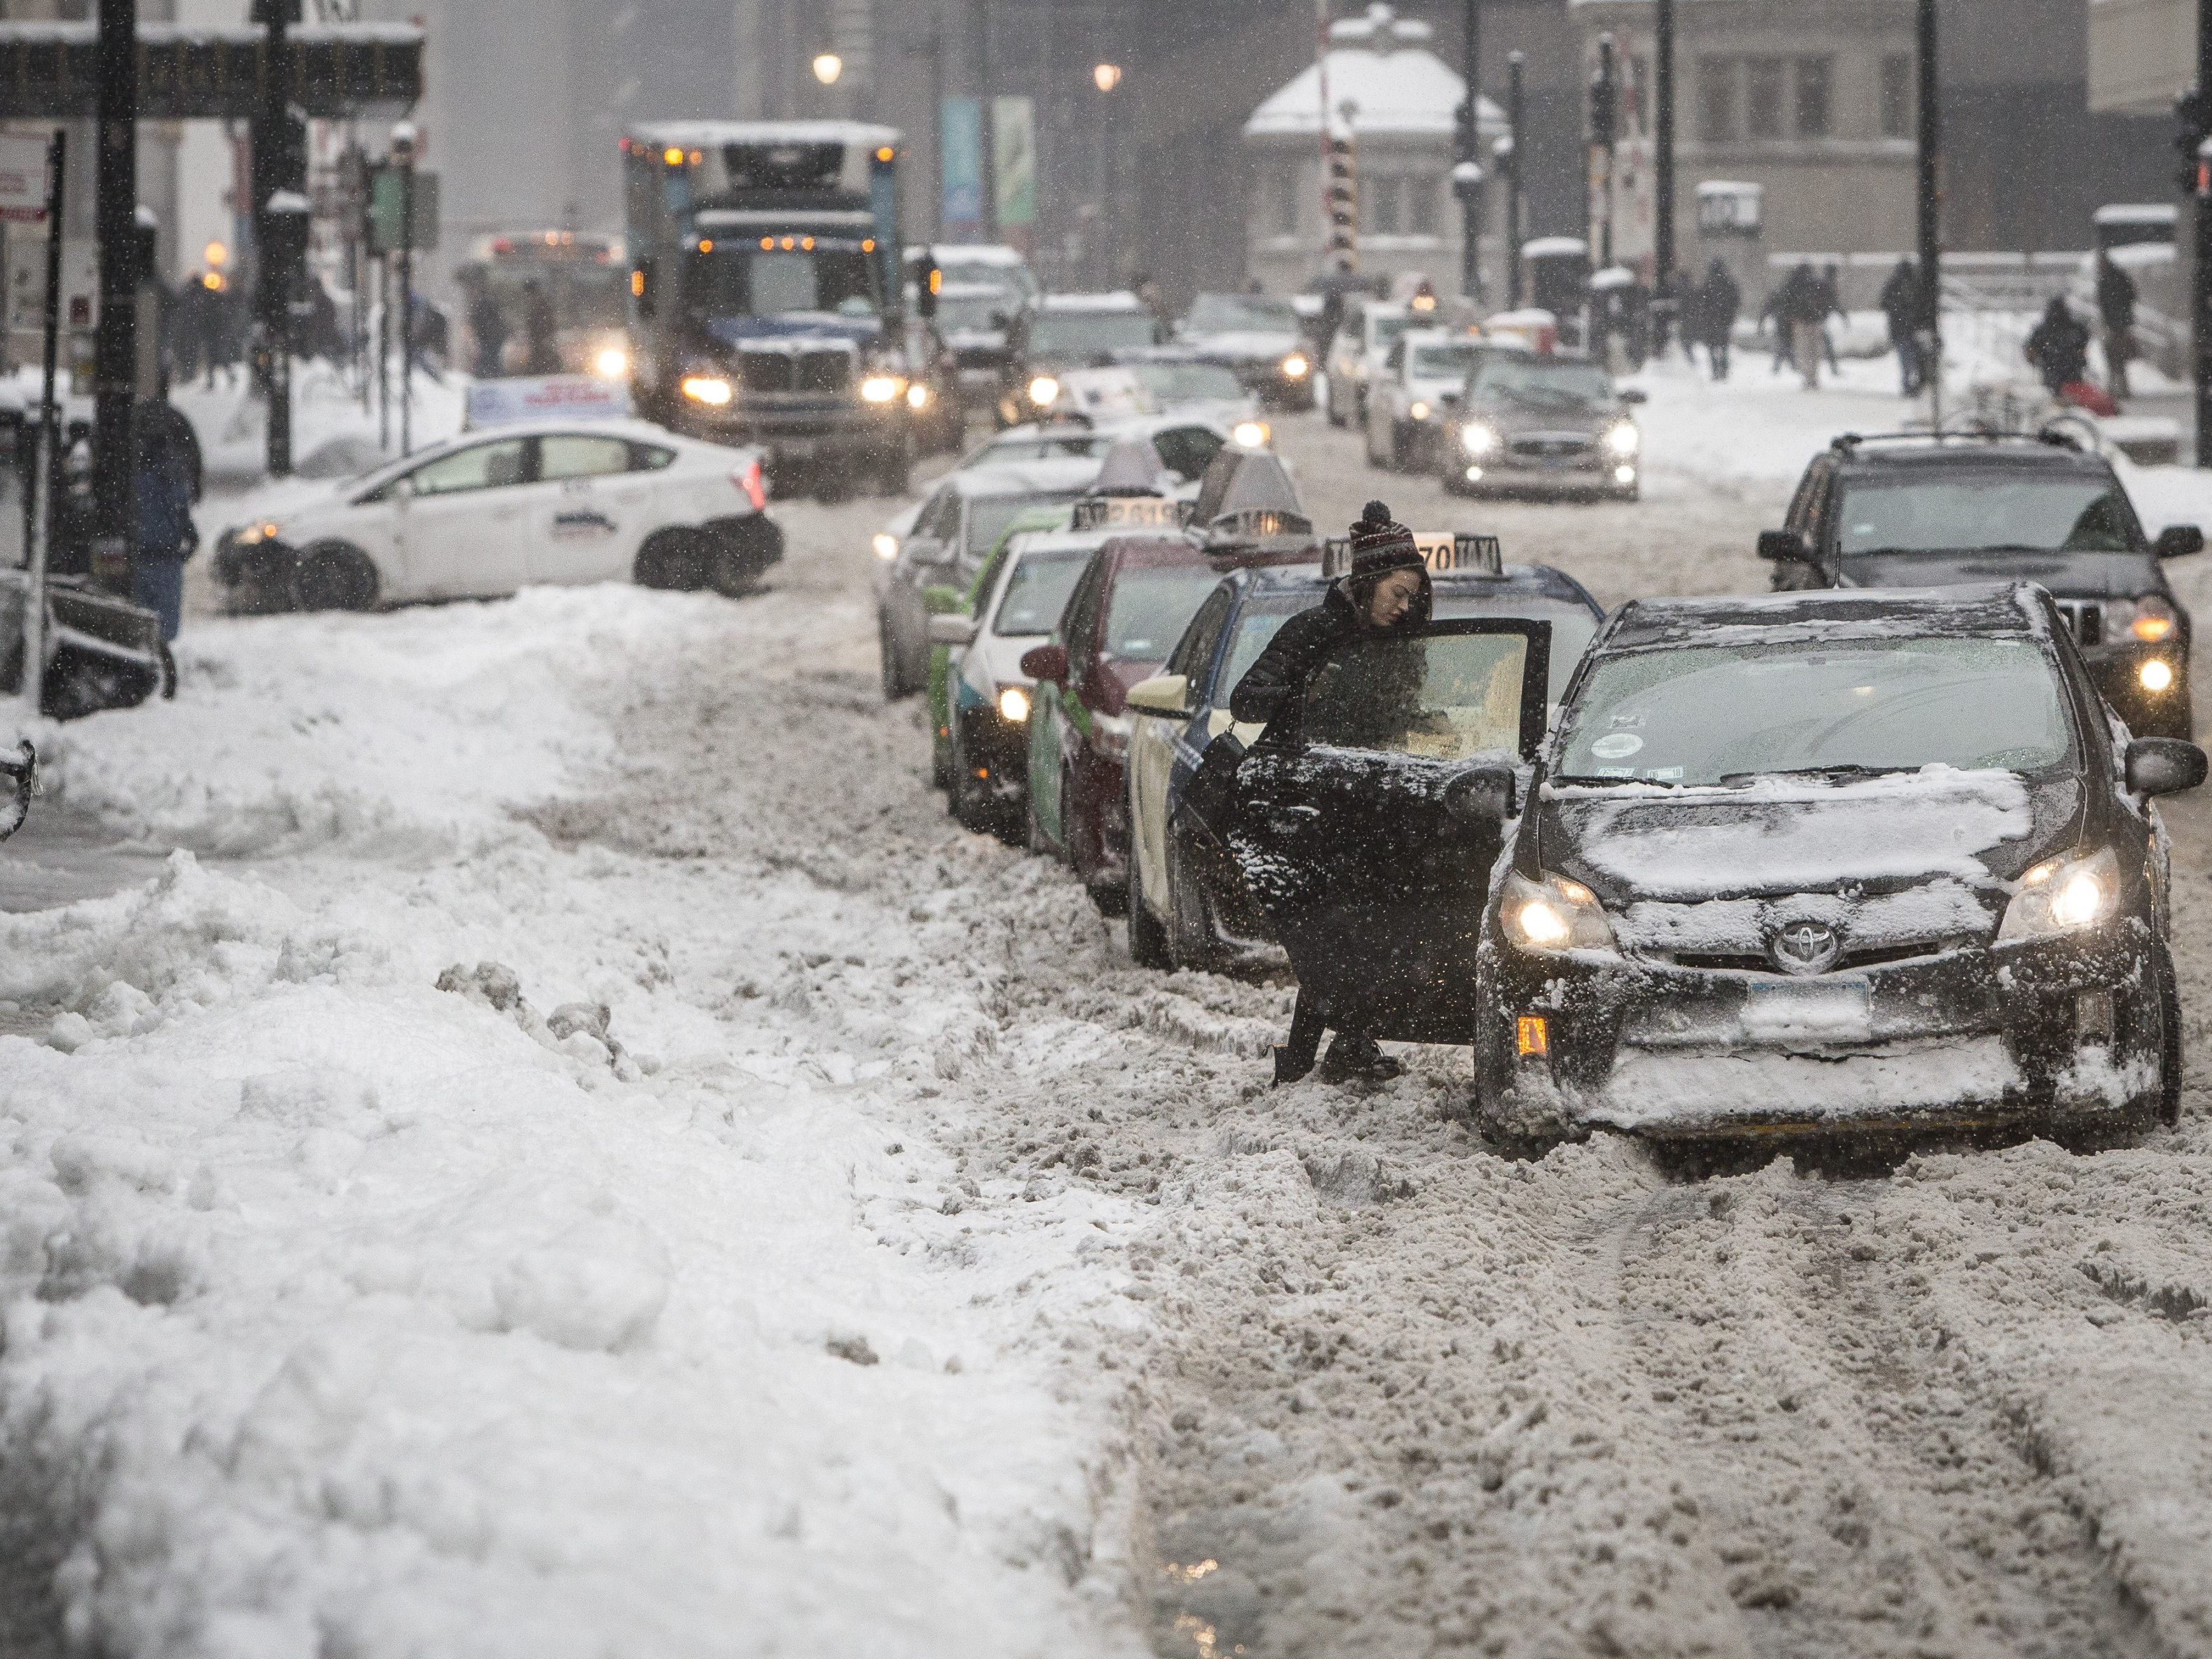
(973, 315)
(1441, 696)
(1227, 313)
(990, 517)
(1188, 383)
(1959, 515)
(1543, 383)
(581, 295)
(752, 282)
(1444, 362)
(1037, 592)
(1711, 715)
(1079, 332)
(1151, 607)
(1008, 278)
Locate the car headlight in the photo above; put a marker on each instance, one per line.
(2155, 675)
(2063, 895)
(1294, 367)
(886, 545)
(1623, 441)
(1553, 913)
(611, 364)
(2153, 620)
(254, 534)
(708, 389)
(1013, 704)
(1418, 410)
(1253, 434)
(917, 396)
(882, 388)
(1043, 390)
(1478, 440)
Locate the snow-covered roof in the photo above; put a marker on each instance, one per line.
(1382, 65)
(1119, 300)
(967, 253)
(1553, 248)
(700, 134)
(2137, 213)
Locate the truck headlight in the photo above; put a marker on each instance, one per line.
(2063, 895)
(1553, 913)
(882, 388)
(1253, 434)
(1623, 441)
(708, 389)
(1013, 704)
(886, 545)
(1294, 367)
(917, 396)
(2155, 675)
(1043, 390)
(611, 364)
(1418, 410)
(1478, 439)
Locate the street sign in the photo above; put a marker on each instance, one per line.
(27, 283)
(22, 179)
(387, 210)
(578, 397)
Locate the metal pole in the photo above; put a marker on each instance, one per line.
(1931, 251)
(987, 117)
(115, 175)
(1471, 202)
(42, 483)
(383, 354)
(1610, 105)
(1516, 67)
(1321, 80)
(1662, 206)
(2201, 277)
(271, 175)
(406, 296)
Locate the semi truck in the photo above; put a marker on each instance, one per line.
(765, 294)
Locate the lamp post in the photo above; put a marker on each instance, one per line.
(1662, 205)
(116, 171)
(1516, 109)
(1466, 175)
(403, 157)
(1605, 107)
(283, 251)
(1930, 199)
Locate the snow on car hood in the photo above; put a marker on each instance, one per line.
(2096, 575)
(1781, 835)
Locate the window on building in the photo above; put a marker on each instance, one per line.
(1897, 96)
(1285, 215)
(1816, 79)
(1380, 197)
(1762, 97)
(1421, 193)
(1717, 122)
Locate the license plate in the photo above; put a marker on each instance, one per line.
(1835, 1010)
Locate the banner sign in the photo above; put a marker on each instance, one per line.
(578, 397)
(960, 126)
(1013, 132)
(22, 179)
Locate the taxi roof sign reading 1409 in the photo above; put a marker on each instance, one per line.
(1441, 550)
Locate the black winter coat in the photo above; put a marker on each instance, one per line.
(1303, 644)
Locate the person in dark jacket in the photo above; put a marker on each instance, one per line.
(2059, 347)
(1719, 302)
(2115, 309)
(1387, 591)
(540, 331)
(1904, 307)
(168, 483)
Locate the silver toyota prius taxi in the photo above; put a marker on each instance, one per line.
(1834, 863)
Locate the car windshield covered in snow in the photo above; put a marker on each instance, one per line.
(2007, 512)
(1543, 382)
(1072, 332)
(1444, 697)
(1168, 384)
(1725, 714)
(1235, 313)
(1152, 606)
(747, 280)
(1037, 592)
(1444, 362)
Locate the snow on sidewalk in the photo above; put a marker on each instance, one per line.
(346, 1313)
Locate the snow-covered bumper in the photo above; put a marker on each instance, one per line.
(2049, 1031)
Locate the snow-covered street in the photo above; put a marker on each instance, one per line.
(574, 1153)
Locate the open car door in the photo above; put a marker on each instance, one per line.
(1369, 814)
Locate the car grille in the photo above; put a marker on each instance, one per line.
(765, 371)
(981, 356)
(2086, 618)
(824, 371)
(1725, 962)
(1553, 446)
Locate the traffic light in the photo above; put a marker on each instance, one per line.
(1341, 200)
(928, 281)
(2192, 110)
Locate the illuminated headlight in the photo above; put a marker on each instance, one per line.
(254, 534)
(917, 396)
(1418, 410)
(1623, 441)
(882, 388)
(1043, 390)
(1623, 475)
(611, 364)
(2153, 619)
(1253, 434)
(1013, 704)
(2062, 895)
(1294, 367)
(1553, 913)
(2155, 675)
(886, 545)
(706, 389)
(1479, 440)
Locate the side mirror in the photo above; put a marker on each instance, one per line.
(1784, 547)
(2163, 766)
(1046, 664)
(2178, 541)
(957, 631)
(1163, 694)
(1481, 795)
(1634, 394)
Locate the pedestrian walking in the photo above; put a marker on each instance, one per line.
(1832, 304)
(1800, 307)
(2059, 348)
(165, 458)
(1720, 302)
(487, 328)
(1904, 307)
(2115, 309)
(541, 330)
(1387, 591)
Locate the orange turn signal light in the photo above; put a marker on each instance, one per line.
(1531, 1035)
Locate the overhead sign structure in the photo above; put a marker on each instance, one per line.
(48, 71)
(577, 396)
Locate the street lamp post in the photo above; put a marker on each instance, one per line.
(1931, 199)
(1605, 105)
(116, 372)
(402, 155)
(1662, 205)
(1466, 176)
(1516, 97)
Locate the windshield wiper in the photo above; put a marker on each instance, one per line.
(1612, 783)
(1838, 770)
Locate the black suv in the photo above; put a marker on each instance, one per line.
(1935, 512)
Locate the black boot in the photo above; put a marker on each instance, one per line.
(1354, 1055)
(1295, 1057)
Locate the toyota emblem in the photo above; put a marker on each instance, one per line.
(1806, 947)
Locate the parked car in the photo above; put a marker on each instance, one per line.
(1173, 919)
(1260, 339)
(1921, 511)
(1830, 863)
(20, 773)
(1063, 332)
(953, 611)
(1537, 423)
(1418, 385)
(1356, 354)
(487, 513)
(953, 531)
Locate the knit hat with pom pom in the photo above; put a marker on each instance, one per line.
(1380, 544)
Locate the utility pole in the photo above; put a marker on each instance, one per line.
(279, 175)
(1467, 174)
(1662, 205)
(1930, 192)
(1605, 130)
(2196, 126)
(988, 118)
(114, 489)
(1516, 109)
(403, 153)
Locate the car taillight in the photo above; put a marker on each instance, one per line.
(748, 478)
